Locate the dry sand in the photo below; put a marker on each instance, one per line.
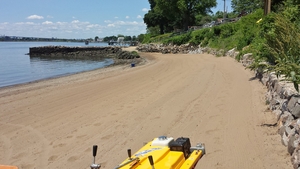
(53, 124)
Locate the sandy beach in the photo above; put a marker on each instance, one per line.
(53, 124)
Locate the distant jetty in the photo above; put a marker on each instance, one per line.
(90, 53)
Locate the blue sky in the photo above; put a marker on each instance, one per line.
(75, 18)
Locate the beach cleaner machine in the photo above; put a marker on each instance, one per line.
(161, 153)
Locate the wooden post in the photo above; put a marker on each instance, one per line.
(267, 7)
(224, 14)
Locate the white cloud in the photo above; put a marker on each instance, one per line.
(47, 23)
(120, 23)
(24, 23)
(116, 17)
(139, 17)
(92, 26)
(145, 10)
(75, 21)
(127, 17)
(54, 28)
(73, 29)
(111, 25)
(35, 17)
(61, 23)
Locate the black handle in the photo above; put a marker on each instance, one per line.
(95, 147)
(129, 153)
(151, 160)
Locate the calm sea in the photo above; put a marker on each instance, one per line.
(16, 67)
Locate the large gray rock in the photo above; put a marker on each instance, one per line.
(296, 110)
(283, 106)
(296, 158)
(127, 55)
(284, 139)
(265, 79)
(286, 118)
(292, 102)
(293, 143)
(247, 59)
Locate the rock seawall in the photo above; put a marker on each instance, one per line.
(284, 101)
(91, 53)
(282, 98)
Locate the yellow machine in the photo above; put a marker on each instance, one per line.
(162, 153)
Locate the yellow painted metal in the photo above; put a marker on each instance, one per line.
(8, 167)
(192, 160)
(163, 158)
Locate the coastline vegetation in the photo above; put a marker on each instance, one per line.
(273, 39)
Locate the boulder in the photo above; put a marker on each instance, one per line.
(292, 102)
(296, 110)
(296, 158)
(293, 143)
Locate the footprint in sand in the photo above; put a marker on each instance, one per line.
(81, 136)
(97, 124)
(69, 136)
(88, 150)
(211, 131)
(52, 158)
(60, 145)
(106, 137)
(27, 166)
(19, 156)
(73, 158)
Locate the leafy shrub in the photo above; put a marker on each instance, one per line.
(178, 40)
(146, 38)
(281, 48)
(160, 38)
(227, 30)
(284, 44)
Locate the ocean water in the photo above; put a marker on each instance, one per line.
(16, 67)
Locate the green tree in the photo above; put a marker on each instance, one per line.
(127, 38)
(152, 3)
(248, 6)
(183, 12)
(134, 38)
(140, 37)
(291, 10)
(96, 38)
(109, 38)
(153, 31)
(153, 18)
(203, 19)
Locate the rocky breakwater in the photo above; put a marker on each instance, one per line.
(181, 49)
(88, 53)
(164, 49)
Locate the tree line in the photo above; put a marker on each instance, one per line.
(165, 16)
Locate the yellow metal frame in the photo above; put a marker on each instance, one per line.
(163, 158)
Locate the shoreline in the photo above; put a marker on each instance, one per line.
(59, 79)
